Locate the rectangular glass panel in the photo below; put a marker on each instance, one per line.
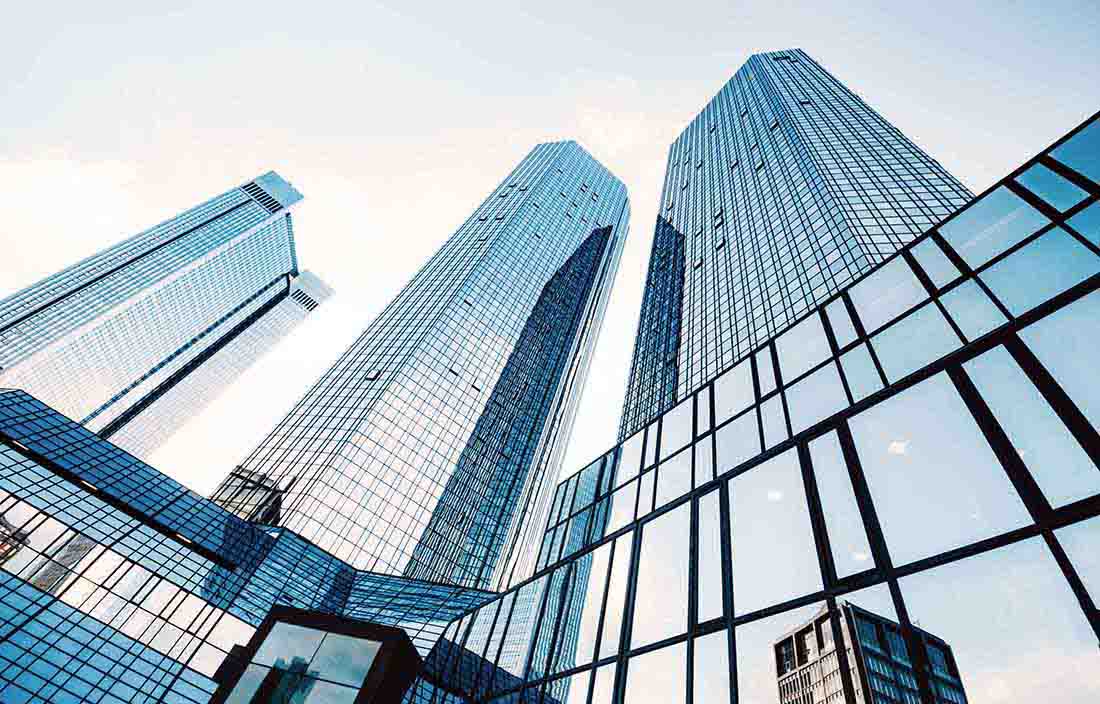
(972, 310)
(702, 414)
(916, 341)
(676, 429)
(935, 263)
(801, 348)
(658, 676)
(712, 669)
(775, 425)
(847, 536)
(1087, 223)
(674, 478)
(815, 398)
(887, 293)
(765, 372)
(592, 572)
(733, 392)
(1079, 540)
(843, 329)
(661, 599)
(1081, 152)
(630, 458)
(709, 568)
(1059, 193)
(737, 442)
(616, 594)
(991, 225)
(1041, 270)
(859, 370)
(623, 502)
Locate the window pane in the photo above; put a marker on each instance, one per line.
(616, 595)
(972, 310)
(915, 342)
(704, 461)
(802, 347)
(859, 370)
(650, 446)
(658, 677)
(759, 679)
(660, 605)
(733, 392)
(1055, 190)
(1008, 627)
(935, 263)
(630, 458)
(1060, 341)
(622, 507)
(736, 442)
(935, 483)
(1082, 152)
(847, 537)
(780, 563)
(992, 225)
(674, 478)
(815, 398)
(320, 692)
(1087, 223)
(765, 371)
(1041, 270)
(1062, 469)
(645, 493)
(712, 669)
(775, 426)
(592, 571)
(1079, 541)
(676, 428)
(345, 659)
(287, 641)
(702, 411)
(710, 557)
(886, 294)
(247, 685)
(577, 691)
(843, 329)
(604, 687)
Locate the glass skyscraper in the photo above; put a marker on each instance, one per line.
(432, 445)
(785, 188)
(135, 340)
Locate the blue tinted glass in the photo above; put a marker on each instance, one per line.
(1062, 469)
(1062, 341)
(972, 310)
(919, 339)
(934, 481)
(859, 370)
(1079, 541)
(765, 372)
(1087, 223)
(847, 536)
(991, 225)
(1082, 152)
(801, 347)
(815, 398)
(935, 263)
(841, 322)
(287, 641)
(1041, 270)
(1051, 187)
(344, 659)
(886, 294)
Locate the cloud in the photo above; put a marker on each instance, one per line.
(898, 447)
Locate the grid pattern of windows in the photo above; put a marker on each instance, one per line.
(146, 312)
(430, 448)
(921, 450)
(784, 189)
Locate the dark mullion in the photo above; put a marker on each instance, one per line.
(626, 628)
(1084, 599)
(817, 518)
(863, 337)
(930, 289)
(841, 650)
(727, 584)
(1071, 175)
(968, 273)
(834, 348)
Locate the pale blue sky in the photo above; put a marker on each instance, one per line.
(395, 119)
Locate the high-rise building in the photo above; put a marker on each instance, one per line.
(784, 189)
(808, 661)
(135, 340)
(431, 446)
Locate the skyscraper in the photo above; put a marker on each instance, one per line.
(784, 189)
(429, 449)
(135, 340)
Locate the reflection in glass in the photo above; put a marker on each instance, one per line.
(676, 431)
(712, 673)
(1081, 152)
(815, 398)
(630, 457)
(344, 659)
(887, 293)
(657, 677)
(604, 686)
(917, 340)
(674, 478)
(935, 482)
(754, 648)
(972, 310)
(709, 558)
(779, 563)
(990, 226)
(1041, 270)
(935, 263)
(847, 536)
(1062, 469)
(661, 599)
(843, 329)
(859, 369)
(616, 594)
(733, 392)
(593, 570)
(801, 348)
(289, 641)
(1055, 190)
(1087, 223)
(737, 441)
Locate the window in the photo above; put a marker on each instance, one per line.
(991, 225)
(1055, 190)
(661, 599)
(843, 521)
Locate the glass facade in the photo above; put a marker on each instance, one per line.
(783, 190)
(431, 447)
(155, 326)
(910, 470)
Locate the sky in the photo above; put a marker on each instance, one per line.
(396, 119)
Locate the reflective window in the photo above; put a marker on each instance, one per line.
(578, 688)
(1008, 627)
(661, 599)
(780, 563)
(859, 370)
(709, 568)
(815, 398)
(645, 492)
(972, 310)
(650, 446)
(289, 641)
(935, 482)
(674, 478)
(676, 431)
(1079, 541)
(616, 596)
(702, 411)
(764, 371)
(712, 669)
(630, 458)
(1087, 223)
(1059, 341)
(847, 536)
(914, 342)
(595, 565)
(704, 461)
(1041, 270)
(802, 347)
(657, 676)
(992, 225)
(886, 293)
(775, 426)
(604, 686)
(762, 672)
(841, 323)
(737, 442)
(344, 659)
(1051, 187)
(1062, 469)
(935, 263)
(622, 507)
(1082, 152)
(733, 392)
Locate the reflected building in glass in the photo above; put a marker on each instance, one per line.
(137, 339)
(432, 445)
(784, 189)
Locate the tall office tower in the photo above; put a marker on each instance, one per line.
(808, 661)
(134, 340)
(430, 447)
(784, 189)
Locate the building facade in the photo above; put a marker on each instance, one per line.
(920, 450)
(431, 447)
(154, 327)
(784, 189)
